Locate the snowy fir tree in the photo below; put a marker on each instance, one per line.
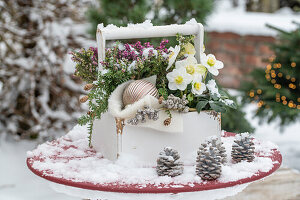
(161, 12)
(276, 89)
(38, 93)
(117, 12)
(178, 12)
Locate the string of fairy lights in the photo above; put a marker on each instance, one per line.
(270, 76)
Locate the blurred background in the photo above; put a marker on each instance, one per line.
(258, 41)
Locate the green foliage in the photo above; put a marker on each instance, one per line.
(234, 119)
(276, 90)
(185, 39)
(117, 12)
(200, 105)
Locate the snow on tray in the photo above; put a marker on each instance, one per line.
(225, 18)
(70, 158)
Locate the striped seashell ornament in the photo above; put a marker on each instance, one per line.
(137, 90)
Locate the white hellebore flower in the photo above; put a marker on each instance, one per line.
(173, 55)
(211, 63)
(189, 49)
(179, 79)
(191, 66)
(198, 87)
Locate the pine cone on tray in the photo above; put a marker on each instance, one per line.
(208, 165)
(168, 164)
(243, 148)
(216, 142)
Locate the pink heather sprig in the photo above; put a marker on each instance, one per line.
(129, 52)
(95, 55)
(139, 47)
(148, 45)
(74, 57)
(162, 46)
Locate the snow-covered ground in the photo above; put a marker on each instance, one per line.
(18, 183)
(287, 139)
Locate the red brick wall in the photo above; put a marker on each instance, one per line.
(240, 54)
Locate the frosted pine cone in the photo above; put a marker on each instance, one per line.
(176, 103)
(243, 148)
(208, 165)
(216, 142)
(141, 114)
(168, 164)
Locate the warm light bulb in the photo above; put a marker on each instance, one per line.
(259, 91)
(293, 64)
(273, 75)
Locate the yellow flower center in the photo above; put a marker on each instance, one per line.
(178, 80)
(197, 85)
(171, 55)
(190, 69)
(211, 62)
(200, 69)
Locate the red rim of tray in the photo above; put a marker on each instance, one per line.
(150, 188)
